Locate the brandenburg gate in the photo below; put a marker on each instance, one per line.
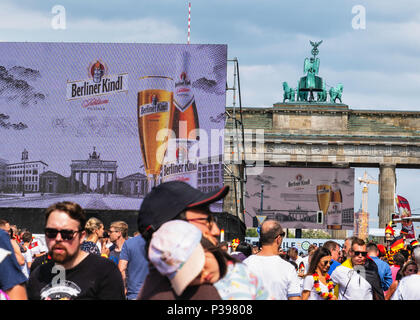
(309, 132)
(94, 165)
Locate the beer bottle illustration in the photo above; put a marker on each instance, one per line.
(181, 160)
(334, 219)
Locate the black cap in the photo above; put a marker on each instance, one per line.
(169, 199)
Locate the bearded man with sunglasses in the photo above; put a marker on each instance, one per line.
(72, 273)
(358, 277)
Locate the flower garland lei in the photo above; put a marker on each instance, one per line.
(326, 295)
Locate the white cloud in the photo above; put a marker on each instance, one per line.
(15, 18)
(36, 26)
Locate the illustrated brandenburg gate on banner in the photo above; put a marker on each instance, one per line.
(93, 166)
(306, 130)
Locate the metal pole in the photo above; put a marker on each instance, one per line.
(262, 198)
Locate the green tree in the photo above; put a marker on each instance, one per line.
(315, 234)
(251, 232)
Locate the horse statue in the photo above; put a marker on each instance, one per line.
(335, 93)
(322, 95)
(289, 93)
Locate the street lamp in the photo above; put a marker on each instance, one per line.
(24, 158)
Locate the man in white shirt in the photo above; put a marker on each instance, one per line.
(358, 277)
(409, 287)
(279, 277)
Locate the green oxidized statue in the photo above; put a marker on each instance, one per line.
(289, 93)
(311, 83)
(335, 93)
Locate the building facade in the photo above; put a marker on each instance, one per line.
(24, 176)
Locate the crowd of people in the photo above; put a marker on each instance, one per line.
(176, 255)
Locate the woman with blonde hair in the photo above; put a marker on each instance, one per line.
(94, 231)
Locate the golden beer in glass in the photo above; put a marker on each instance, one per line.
(154, 104)
(323, 194)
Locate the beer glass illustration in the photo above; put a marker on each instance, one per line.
(323, 194)
(155, 100)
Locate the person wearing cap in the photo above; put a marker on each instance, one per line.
(177, 200)
(177, 254)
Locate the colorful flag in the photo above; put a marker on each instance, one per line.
(414, 243)
(405, 211)
(389, 229)
(397, 244)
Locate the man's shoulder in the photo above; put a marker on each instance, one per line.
(134, 241)
(413, 279)
(5, 240)
(274, 259)
(381, 262)
(339, 270)
(94, 259)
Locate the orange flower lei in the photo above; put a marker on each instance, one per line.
(326, 295)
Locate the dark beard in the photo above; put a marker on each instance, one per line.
(61, 257)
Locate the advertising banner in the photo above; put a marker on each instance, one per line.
(301, 244)
(297, 197)
(102, 123)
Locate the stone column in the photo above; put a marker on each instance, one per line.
(80, 181)
(88, 182)
(98, 180)
(114, 182)
(106, 182)
(387, 181)
(72, 179)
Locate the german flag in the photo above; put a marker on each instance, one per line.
(397, 244)
(414, 243)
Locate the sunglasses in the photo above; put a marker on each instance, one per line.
(210, 219)
(65, 234)
(363, 253)
(324, 263)
(281, 234)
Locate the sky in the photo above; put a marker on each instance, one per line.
(371, 47)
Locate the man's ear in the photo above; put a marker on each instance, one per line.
(82, 236)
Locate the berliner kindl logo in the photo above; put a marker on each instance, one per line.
(97, 71)
(99, 82)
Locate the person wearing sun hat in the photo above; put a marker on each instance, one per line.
(176, 252)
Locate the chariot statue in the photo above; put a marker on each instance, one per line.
(311, 84)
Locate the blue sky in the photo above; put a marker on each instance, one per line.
(379, 66)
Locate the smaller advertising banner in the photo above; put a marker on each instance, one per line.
(296, 196)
